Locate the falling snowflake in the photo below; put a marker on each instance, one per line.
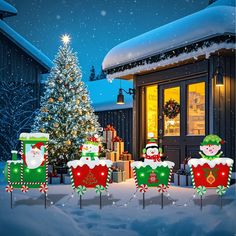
(103, 12)
(58, 17)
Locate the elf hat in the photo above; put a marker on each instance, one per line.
(151, 142)
(38, 145)
(212, 139)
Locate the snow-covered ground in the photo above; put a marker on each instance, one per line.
(63, 216)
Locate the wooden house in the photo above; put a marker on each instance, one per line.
(191, 61)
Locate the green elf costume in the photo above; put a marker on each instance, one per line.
(210, 147)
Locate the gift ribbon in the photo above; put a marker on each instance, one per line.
(99, 189)
(43, 188)
(221, 190)
(81, 190)
(143, 188)
(161, 188)
(201, 190)
(9, 189)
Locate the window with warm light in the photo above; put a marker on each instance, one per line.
(172, 126)
(196, 109)
(152, 110)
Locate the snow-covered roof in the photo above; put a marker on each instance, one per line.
(215, 20)
(103, 94)
(26, 46)
(6, 9)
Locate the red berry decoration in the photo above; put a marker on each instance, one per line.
(171, 109)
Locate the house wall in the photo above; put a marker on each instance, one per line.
(122, 121)
(224, 104)
(15, 64)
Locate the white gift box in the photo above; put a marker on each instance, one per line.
(66, 179)
(182, 180)
(56, 180)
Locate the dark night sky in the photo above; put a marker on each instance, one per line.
(94, 25)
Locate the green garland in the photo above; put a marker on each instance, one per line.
(171, 109)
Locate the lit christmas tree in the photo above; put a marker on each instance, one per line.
(66, 112)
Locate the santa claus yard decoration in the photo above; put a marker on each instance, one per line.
(31, 171)
(212, 170)
(153, 172)
(90, 172)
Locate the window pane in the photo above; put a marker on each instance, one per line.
(151, 110)
(196, 109)
(172, 126)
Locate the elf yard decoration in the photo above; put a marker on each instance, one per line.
(89, 171)
(153, 172)
(31, 171)
(211, 171)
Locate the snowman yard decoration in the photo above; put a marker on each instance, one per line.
(31, 171)
(90, 172)
(212, 170)
(153, 172)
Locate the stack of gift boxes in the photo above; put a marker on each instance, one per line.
(115, 152)
(182, 177)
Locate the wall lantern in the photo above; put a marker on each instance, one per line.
(120, 96)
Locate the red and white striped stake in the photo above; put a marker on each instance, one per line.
(143, 189)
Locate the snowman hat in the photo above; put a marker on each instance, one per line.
(38, 145)
(212, 139)
(151, 142)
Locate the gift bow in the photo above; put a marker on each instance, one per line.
(117, 139)
(109, 128)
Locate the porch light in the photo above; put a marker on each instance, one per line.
(120, 96)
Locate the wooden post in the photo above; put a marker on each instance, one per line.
(45, 200)
(80, 201)
(143, 200)
(100, 201)
(221, 201)
(201, 203)
(162, 200)
(11, 200)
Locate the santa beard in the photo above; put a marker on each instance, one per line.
(34, 159)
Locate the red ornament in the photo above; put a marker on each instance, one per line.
(152, 178)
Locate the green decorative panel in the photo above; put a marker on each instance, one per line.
(162, 174)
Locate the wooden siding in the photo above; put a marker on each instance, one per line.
(224, 104)
(122, 121)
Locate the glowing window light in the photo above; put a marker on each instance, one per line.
(102, 173)
(39, 170)
(15, 170)
(27, 170)
(162, 174)
(78, 173)
(223, 173)
(142, 174)
(198, 174)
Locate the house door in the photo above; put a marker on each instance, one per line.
(181, 133)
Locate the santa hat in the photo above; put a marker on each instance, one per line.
(38, 145)
(151, 142)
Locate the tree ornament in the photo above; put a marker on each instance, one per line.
(50, 100)
(56, 125)
(84, 98)
(171, 109)
(71, 79)
(60, 99)
(152, 178)
(77, 101)
(42, 130)
(68, 142)
(67, 66)
(44, 109)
